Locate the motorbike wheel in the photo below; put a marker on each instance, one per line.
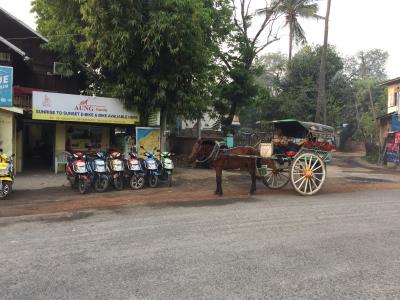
(101, 184)
(153, 181)
(118, 183)
(169, 179)
(6, 190)
(137, 182)
(82, 187)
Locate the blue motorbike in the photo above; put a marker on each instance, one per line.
(100, 174)
(151, 165)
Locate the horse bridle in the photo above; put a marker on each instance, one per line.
(213, 154)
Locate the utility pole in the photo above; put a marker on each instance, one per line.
(321, 100)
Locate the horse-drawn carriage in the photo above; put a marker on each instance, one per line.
(302, 160)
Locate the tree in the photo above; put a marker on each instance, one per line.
(366, 69)
(321, 102)
(299, 91)
(293, 10)
(150, 54)
(237, 85)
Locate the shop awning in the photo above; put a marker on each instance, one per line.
(24, 91)
(13, 109)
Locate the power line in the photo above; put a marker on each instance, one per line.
(36, 37)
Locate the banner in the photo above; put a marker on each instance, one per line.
(6, 86)
(148, 138)
(79, 108)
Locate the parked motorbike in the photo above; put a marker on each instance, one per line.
(117, 168)
(151, 165)
(167, 167)
(6, 174)
(135, 174)
(77, 172)
(100, 172)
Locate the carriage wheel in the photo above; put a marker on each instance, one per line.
(308, 174)
(276, 179)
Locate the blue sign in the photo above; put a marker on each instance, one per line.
(6, 86)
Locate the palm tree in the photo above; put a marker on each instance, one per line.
(293, 10)
(321, 99)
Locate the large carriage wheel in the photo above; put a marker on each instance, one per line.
(308, 174)
(276, 179)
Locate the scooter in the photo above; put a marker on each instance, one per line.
(100, 172)
(77, 172)
(134, 172)
(151, 166)
(117, 168)
(167, 167)
(6, 174)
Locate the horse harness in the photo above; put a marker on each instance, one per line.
(214, 155)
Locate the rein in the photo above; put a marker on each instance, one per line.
(212, 155)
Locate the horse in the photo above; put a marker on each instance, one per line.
(221, 158)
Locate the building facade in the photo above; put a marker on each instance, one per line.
(390, 122)
(48, 115)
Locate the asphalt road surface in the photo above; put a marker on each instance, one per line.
(330, 246)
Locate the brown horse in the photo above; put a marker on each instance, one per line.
(222, 158)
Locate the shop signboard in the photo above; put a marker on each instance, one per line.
(393, 148)
(6, 86)
(80, 108)
(148, 138)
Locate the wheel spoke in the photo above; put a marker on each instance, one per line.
(312, 168)
(299, 179)
(313, 181)
(319, 167)
(304, 180)
(317, 178)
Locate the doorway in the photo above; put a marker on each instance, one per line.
(38, 140)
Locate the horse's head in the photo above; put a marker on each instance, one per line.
(196, 150)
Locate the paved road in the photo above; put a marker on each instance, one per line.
(331, 246)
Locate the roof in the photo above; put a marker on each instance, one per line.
(299, 129)
(390, 81)
(386, 115)
(24, 91)
(23, 24)
(13, 109)
(14, 48)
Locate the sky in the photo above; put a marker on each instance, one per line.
(354, 25)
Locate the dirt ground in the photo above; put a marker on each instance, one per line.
(348, 173)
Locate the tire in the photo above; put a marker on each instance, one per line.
(153, 181)
(276, 179)
(169, 178)
(119, 183)
(6, 190)
(137, 182)
(308, 174)
(82, 187)
(101, 184)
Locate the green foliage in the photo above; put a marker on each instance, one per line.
(151, 54)
(299, 86)
(238, 88)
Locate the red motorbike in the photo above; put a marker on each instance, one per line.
(77, 172)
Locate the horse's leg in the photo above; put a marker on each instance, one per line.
(252, 171)
(219, 180)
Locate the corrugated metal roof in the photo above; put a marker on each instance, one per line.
(23, 24)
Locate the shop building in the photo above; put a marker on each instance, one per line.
(47, 116)
(390, 122)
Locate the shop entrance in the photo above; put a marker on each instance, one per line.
(38, 149)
